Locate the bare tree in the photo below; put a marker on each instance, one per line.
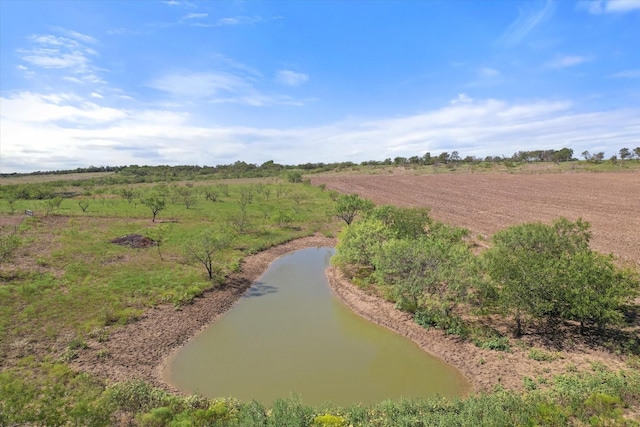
(83, 205)
(206, 249)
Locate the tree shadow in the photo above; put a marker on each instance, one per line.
(565, 335)
(259, 289)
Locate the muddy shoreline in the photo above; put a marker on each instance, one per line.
(140, 349)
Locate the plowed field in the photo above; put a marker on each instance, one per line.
(486, 203)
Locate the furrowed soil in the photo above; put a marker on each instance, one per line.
(486, 203)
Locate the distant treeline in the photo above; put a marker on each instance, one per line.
(136, 174)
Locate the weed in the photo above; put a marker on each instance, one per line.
(529, 384)
(541, 355)
(571, 367)
(103, 353)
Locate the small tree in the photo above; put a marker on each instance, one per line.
(293, 176)
(189, 197)
(211, 194)
(358, 244)
(11, 200)
(206, 249)
(156, 203)
(549, 272)
(128, 194)
(239, 221)
(625, 154)
(51, 205)
(83, 205)
(350, 205)
(159, 235)
(424, 267)
(282, 218)
(598, 157)
(636, 151)
(8, 243)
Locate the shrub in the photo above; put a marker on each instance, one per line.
(328, 420)
(541, 355)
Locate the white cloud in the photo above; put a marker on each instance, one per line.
(62, 131)
(195, 16)
(526, 21)
(462, 98)
(489, 72)
(52, 52)
(291, 78)
(199, 85)
(598, 7)
(96, 95)
(78, 36)
(627, 74)
(565, 61)
(30, 107)
(218, 87)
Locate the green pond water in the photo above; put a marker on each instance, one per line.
(290, 334)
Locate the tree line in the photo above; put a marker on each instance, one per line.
(137, 174)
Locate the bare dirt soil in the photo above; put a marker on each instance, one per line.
(486, 203)
(136, 241)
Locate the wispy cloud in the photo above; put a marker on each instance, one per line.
(84, 38)
(627, 74)
(489, 72)
(528, 18)
(59, 131)
(218, 87)
(178, 3)
(565, 61)
(195, 16)
(291, 78)
(69, 52)
(598, 7)
(199, 85)
(235, 21)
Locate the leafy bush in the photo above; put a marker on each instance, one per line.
(328, 420)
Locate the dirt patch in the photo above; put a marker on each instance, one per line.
(136, 241)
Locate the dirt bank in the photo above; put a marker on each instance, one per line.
(485, 369)
(139, 350)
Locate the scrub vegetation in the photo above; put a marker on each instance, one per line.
(99, 252)
(542, 278)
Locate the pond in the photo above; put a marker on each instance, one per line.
(291, 334)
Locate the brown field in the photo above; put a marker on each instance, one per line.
(486, 203)
(34, 179)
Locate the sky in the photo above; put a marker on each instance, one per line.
(174, 82)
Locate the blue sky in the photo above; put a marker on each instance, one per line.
(185, 82)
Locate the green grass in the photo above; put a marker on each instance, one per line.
(69, 278)
(49, 393)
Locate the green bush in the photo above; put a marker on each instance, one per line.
(328, 420)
